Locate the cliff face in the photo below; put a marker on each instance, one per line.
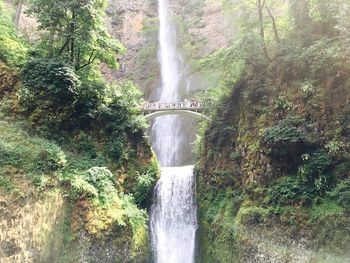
(44, 228)
(47, 213)
(131, 22)
(202, 27)
(273, 170)
(42, 221)
(31, 226)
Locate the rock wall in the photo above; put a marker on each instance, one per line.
(31, 228)
(203, 26)
(45, 227)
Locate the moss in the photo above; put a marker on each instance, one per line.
(251, 215)
(217, 226)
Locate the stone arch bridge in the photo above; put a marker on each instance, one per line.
(153, 110)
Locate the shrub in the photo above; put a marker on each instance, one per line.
(286, 191)
(51, 158)
(8, 80)
(121, 109)
(287, 141)
(290, 130)
(30, 154)
(89, 99)
(116, 149)
(146, 181)
(96, 184)
(316, 173)
(341, 194)
(6, 183)
(85, 144)
(49, 92)
(326, 209)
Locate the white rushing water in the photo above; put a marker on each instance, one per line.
(174, 218)
(173, 214)
(166, 129)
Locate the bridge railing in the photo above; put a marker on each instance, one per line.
(185, 105)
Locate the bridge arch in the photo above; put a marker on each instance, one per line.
(156, 114)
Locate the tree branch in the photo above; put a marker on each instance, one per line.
(91, 60)
(64, 47)
(274, 26)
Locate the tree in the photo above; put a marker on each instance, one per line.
(254, 14)
(18, 12)
(260, 8)
(12, 48)
(300, 13)
(274, 25)
(74, 30)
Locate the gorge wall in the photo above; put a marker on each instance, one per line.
(273, 168)
(202, 27)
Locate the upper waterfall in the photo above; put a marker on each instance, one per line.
(166, 134)
(168, 55)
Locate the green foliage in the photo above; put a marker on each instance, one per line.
(285, 142)
(75, 32)
(122, 99)
(325, 209)
(211, 98)
(28, 153)
(281, 104)
(6, 183)
(116, 149)
(96, 183)
(314, 178)
(49, 92)
(12, 48)
(341, 194)
(57, 102)
(250, 216)
(286, 191)
(51, 79)
(218, 229)
(289, 125)
(137, 217)
(146, 180)
(84, 144)
(316, 172)
(288, 131)
(334, 147)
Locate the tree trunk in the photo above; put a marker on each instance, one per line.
(260, 6)
(274, 26)
(72, 37)
(18, 13)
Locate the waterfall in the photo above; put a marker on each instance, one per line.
(174, 219)
(173, 213)
(166, 132)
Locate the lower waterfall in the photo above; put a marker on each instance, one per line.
(174, 216)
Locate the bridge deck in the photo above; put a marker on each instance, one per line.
(160, 106)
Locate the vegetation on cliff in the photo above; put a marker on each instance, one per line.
(276, 153)
(64, 128)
